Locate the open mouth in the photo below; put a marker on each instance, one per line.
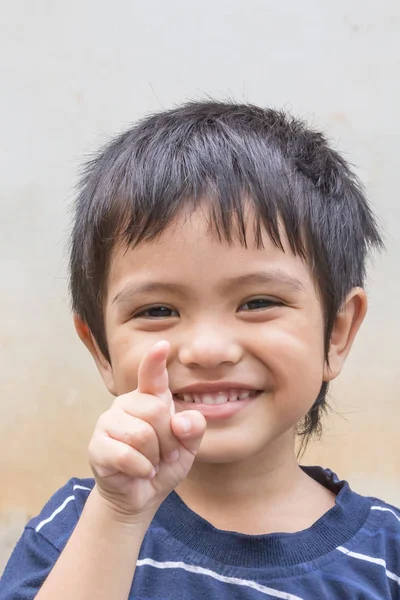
(221, 397)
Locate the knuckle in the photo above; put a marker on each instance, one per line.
(124, 458)
(104, 419)
(157, 409)
(96, 448)
(124, 400)
(129, 439)
(93, 445)
(144, 435)
(91, 451)
(119, 401)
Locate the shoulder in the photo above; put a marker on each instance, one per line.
(59, 516)
(390, 513)
(43, 540)
(384, 519)
(374, 552)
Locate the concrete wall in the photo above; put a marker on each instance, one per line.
(74, 73)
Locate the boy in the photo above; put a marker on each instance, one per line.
(217, 269)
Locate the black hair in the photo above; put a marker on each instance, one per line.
(230, 154)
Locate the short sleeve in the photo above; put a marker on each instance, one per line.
(29, 565)
(43, 540)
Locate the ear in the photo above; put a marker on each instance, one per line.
(345, 329)
(103, 365)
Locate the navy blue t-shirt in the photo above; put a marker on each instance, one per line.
(353, 551)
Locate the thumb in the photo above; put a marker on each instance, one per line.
(153, 374)
(189, 427)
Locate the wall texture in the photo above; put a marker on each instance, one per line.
(74, 73)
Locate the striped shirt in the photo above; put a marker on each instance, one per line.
(353, 551)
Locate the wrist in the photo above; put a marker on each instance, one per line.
(111, 513)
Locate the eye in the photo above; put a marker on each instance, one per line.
(157, 312)
(259, 304)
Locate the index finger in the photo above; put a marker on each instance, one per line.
(153, 374)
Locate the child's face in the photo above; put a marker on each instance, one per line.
(235, 318)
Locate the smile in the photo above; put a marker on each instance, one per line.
(218, 397)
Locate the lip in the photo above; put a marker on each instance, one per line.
(217, 411)
(215, 386)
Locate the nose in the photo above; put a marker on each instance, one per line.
(209, 346)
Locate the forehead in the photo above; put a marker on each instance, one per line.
(190, 249)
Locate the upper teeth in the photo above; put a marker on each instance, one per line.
(216, 397)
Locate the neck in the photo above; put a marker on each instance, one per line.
(264, 493)
(231, 482)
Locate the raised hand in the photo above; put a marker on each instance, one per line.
(140, 450)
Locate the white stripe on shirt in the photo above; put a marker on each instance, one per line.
(55, 513)
(232, 580)
(61, 507)
(385, 510)
(371, 559)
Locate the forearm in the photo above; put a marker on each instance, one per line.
(99, 559)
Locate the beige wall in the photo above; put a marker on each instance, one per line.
(74, 73)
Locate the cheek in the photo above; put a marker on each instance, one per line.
(126, 353)
(294, 354)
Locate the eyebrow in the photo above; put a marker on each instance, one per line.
(148, 287)
(277, 276)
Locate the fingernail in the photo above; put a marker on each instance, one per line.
(160, 344)
(185, 424)
(153, 474)
(173, 456)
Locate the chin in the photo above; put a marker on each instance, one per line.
(213, 458)
(227, 447)
(220, 451)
